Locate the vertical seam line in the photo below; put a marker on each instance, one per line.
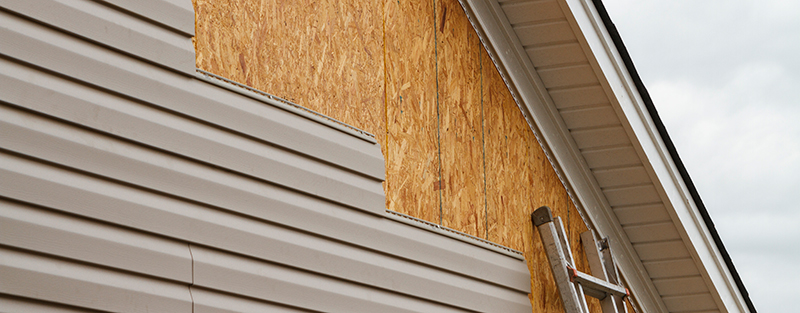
(385, 92)
(191, 256)
(438, 118)
(483, 148)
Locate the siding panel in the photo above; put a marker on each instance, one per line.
(139, 163)
(89, 197)
(190, 97)
(209, 301)
(35, 276)
(176, 14)
(112, 28)
(253, 278)
(16, 304)
(48, 232)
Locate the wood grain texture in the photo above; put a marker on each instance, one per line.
(459, 94)
(509, 172)
(519, 179)
(412, 147)
(325, 55)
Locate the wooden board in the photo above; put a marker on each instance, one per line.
(460, 131)
(325, 55)
(412, 147)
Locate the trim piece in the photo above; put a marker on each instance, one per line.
(284, 104)
(452, 233)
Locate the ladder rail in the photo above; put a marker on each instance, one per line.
(557, 259)
(602, 266)
(572, 284)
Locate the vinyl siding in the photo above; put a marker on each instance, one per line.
(130, 183)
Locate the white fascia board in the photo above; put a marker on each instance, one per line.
(530, 94)
(647, 140)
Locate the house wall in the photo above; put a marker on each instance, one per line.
(130, 183)
(458, 151)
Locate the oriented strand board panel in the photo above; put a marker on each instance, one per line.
(412, 147)
(510, 176)
(519, 179)
(517, 182)
(324, 55)
(460, 133)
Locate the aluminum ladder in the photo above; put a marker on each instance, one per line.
(573, 284)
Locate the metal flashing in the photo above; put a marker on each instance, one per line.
(452, 233)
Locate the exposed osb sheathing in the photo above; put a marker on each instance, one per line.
(458, 150)
(412, 148)
(325, 55)
(519, 179)
(510, 175)
(460, 134)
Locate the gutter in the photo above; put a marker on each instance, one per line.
(662, 130)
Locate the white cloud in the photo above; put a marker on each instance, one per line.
(725, 78)
(743, 135)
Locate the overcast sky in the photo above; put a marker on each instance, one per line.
(725, 78)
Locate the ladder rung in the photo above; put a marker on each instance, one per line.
(595, 287)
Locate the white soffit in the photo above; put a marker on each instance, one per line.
(565, 72)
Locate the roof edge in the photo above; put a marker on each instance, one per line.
(662, 130)
(528, 91)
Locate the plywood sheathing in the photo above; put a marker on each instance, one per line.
(412, 153)
(325, 55)
(460, 131)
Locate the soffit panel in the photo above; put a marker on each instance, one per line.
(680, 286)
(622, 176)
(671, 268)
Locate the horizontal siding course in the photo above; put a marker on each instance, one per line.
(36, 276)
(210, 301)
(99, 199)
(176, 14)
(112, 28)
(48, 232)
(17, 304)
(110, 71)
(263, 280)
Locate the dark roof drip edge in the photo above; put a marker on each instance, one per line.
(626, 58)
